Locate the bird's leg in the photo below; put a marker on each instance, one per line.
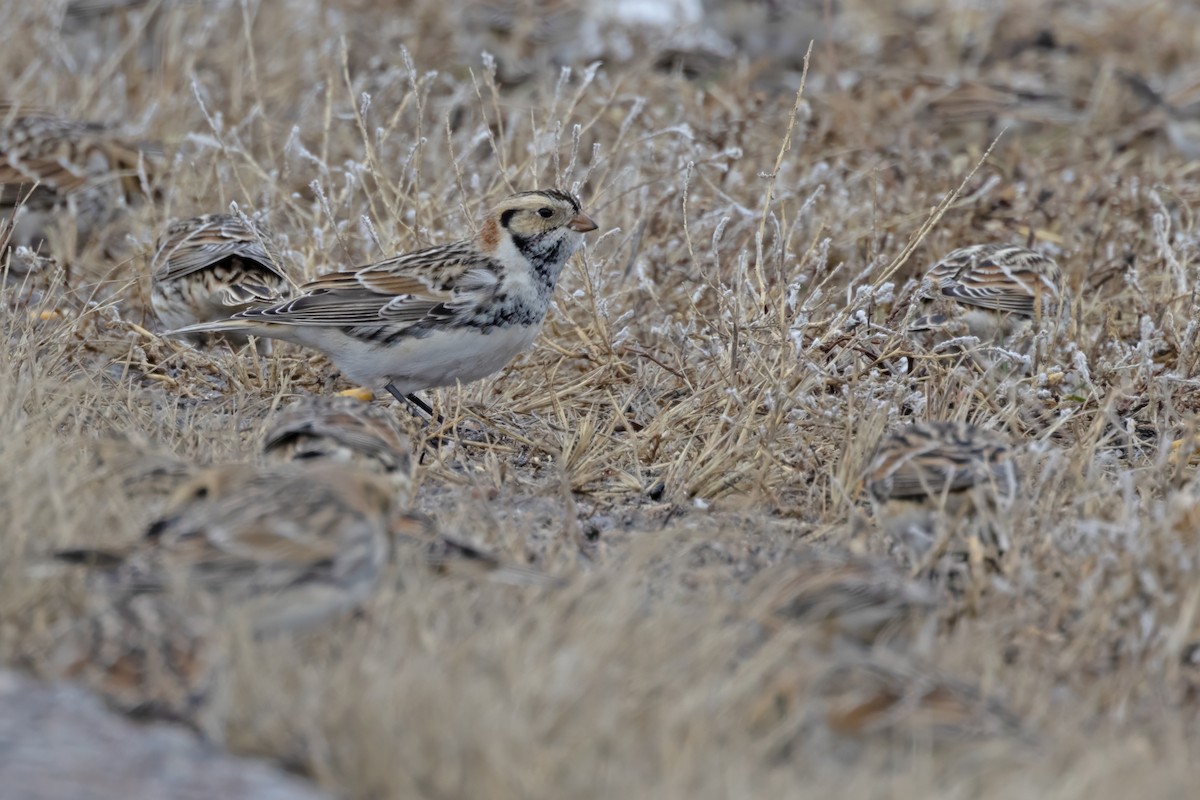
(415, 404)
(419, 407)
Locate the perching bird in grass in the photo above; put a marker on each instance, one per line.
(66, 178)
(991, 292)
(452, 313)
(208, 267)
(929, 473)
(344, 430)
(289, 546)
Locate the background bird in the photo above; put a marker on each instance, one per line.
(151, 656)
(863, 600)
(341, 430)
(990, 291)
(931, 481)
(65, 176)
(208, 267)
(288, 546)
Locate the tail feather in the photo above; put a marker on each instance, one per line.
(513, 575)
(1142, 89)
(99, 559)
(450, 554)
(230, 325)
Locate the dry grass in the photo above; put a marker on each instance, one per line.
(700, 408)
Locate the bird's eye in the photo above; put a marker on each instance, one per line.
(545, 213)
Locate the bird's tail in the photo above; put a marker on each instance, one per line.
(88, 557)
(220, 326)
(1142, 89)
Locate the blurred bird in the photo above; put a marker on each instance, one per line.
(885, 693)
(151, 656)
(433, 317)
(881, 692)
(290, 546)
(54, 170)
(991, 292)
(863, 600)
(340, 430)
(957, 101)
(931, 471)
(209, 267)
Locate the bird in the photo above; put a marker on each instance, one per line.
(931, 470)
(432, 317)
(208, 267)
(862, 600)
(344, 430)
(289, 547)
(937, 460)
(53, 168)
(527, 37)
(991, 292)
(150, 656)
(341, 430)
(1181, 123)
(880, 692)
(883, 692)
(447, 554)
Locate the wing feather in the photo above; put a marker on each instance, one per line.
(994, 299)
(438, 282)
(1004, 278)
(193, 245)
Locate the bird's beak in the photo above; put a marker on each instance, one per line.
(582, 223)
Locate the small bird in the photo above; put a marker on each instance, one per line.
(289, 546)
(341, 430)
(886, 693)
(208, 267)
(1181, 123)
(429, 318)
(931, 470)
(939, 460)
(879, 692)
(527, 36)
(450, 555)
(991, 292)
(53, 169)
(152, 656)
(862, 600)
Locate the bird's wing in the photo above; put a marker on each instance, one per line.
(189, 248)
(1011, 299)
(53, 179)
(439, 282)
(998, 277)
